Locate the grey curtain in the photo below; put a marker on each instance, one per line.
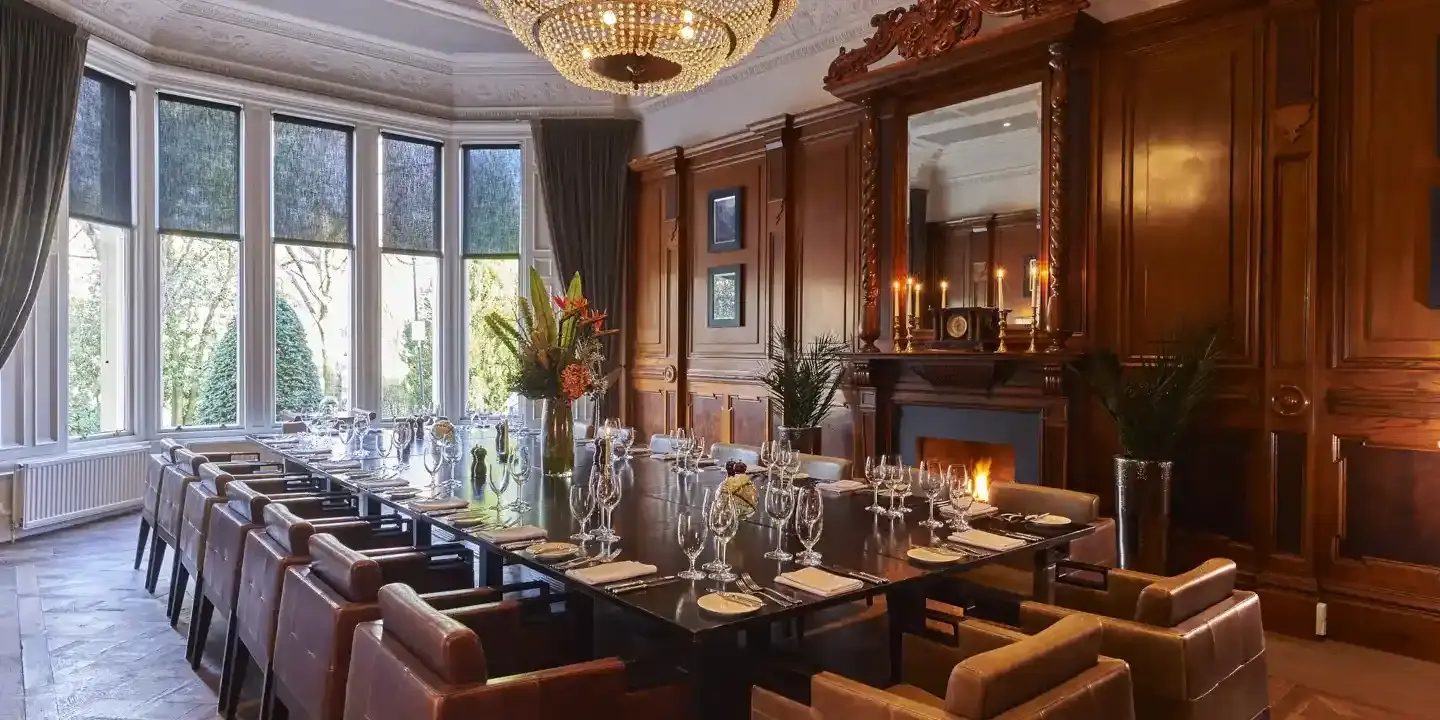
(41, 60)
(588, 190)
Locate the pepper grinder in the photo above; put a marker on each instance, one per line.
(478, 468)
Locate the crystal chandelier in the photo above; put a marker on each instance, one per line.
(641, 47)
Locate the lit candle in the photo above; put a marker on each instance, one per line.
(894, 301)
(944, 289)
(919, 299)
(1000, 287)
(909, 296)
(1035, 291)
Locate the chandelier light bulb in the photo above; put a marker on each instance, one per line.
(641, 47)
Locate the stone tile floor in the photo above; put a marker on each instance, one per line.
(80, 638)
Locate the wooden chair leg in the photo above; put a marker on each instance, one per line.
(157, 558)
(237, 677)
(140, 543)
(227, 665)
(267, 696)
(201, 626)
(179, 583)
(192, 632)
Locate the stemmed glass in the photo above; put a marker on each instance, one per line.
(932, 483)
(707, 502)
(697, 451)
(780, 505)
(607, 488)
(690, 533)
(875, 473)
(681, 442)
(347, 434)
(400, 437)
(625, 439)
(582, 506)
(434, 460)
(767, 457)
(520, 467)
(961, 496)
(809, 522)
(724, 522)
(499, 483)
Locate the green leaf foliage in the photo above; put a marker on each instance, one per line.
(297, 378)
(803, 379)
(1155, 401)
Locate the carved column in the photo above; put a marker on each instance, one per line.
(1050, 309)
(869, 230)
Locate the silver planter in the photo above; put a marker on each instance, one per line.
(803, 439)
(1142, 513)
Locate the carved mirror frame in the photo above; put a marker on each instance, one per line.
(944, 58)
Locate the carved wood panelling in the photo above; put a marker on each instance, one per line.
(749, 420)
(708, 417)
(651, 413)
(717, 171)
(828, 231)
(649, 323)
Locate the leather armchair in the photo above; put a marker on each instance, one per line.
(284, 542)
(322, 603)
(992, 672)
(1196, 646)
(150, 500)
(724, 452)
(422, 663)
(660, 444)
(824, 467)
(170, 505)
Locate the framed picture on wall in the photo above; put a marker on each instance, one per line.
(726, 296)
(726, 213)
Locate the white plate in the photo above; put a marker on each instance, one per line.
(1051, 520)
(718, 604)
(552, 551)
(930, 556)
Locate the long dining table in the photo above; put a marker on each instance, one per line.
(855, 543)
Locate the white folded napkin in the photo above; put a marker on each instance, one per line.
(375, 484)
(818, 582)
(433, 505)
(514, 534)
(340, 465)
(987, 541)
(841, 486)
(612, 572)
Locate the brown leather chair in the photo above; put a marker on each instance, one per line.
(1195, 645)
(422, 663)
(230, 524)
(284, 542)
(1014, 575)
(159, 460)
(321, 603)
(990, 672)
(170, 509)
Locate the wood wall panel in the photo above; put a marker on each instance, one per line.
(741, 167)
(649, 322)
(651, 413)
(709, 414)
(749, 420)
(829, 197)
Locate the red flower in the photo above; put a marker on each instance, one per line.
(575, 381)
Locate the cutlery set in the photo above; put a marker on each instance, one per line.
(584, 562)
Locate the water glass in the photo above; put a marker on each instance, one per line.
(932, 483)
(434, 460)
(780, 505)
(767, 456)
(875, 473)
(809, 522)
(707, 502)
(724, 522)
(691, 532)
(961, 496)
(607, 489)
(626, 440)
(519, 467)
(499, 483)
(582, 506)
(899, 488)
(697, 451)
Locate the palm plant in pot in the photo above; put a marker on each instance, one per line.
(802, 380)
(1153, 403)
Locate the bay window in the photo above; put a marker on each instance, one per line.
(98, 258)
(198, 217)
(312, 216)
(491, 214)
(410, 185)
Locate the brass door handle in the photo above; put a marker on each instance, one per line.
(1289, 400)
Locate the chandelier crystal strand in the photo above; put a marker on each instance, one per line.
(635, 47)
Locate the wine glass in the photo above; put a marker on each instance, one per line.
(961, 496)
(724, 522)
(697, 451)
(499, 482)
(779, 505)
(932, 483)
(680, 441)
(434, 460)
(690, 533)
(519, 467)
(793, 460)
(626, 440)
(400, 438)
(809, 522)
(707, 502)
(582, 506)
(767, 457)
(899, 488)
(875, 472)
(607, 489)
(347, 434)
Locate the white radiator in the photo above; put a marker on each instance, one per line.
(69, 489)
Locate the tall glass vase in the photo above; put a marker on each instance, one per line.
(559, 438)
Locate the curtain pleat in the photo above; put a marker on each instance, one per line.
(588, 191)
(41, 61)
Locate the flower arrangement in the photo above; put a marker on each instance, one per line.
(741, 489)
(556, 342)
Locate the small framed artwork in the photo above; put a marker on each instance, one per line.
(726, 292)
(726, 213)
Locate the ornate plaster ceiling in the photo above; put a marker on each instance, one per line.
(446, 58)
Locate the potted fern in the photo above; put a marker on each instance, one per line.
(1153, 403)
(802, 380)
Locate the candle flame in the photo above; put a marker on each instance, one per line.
(982, 479)
(999, 272)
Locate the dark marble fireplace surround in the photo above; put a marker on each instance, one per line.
(1020, 429)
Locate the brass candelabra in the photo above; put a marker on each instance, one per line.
(1002, 347)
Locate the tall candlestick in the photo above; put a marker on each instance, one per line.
(919, 299)
(909, 296)
(895, 301)
(1000, 288)
(944, 290)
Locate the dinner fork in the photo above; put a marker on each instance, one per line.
(748, 582)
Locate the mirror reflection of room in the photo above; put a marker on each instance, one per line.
(974, 200)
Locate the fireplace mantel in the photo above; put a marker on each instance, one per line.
(880, 385)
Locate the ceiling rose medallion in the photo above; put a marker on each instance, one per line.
(639, 47)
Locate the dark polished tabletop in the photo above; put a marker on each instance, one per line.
(654, 495)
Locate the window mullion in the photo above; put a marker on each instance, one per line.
(145, 263)
(367, 290)
(451, 335)
(257, 289)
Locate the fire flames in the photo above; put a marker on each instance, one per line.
(981, 480)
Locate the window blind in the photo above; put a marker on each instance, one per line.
(100, 188)
(493, 180)
(313, 191)
(198, 181)
(410, 194)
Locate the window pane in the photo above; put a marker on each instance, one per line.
(98, 365)
(198, 187)
(312, 327)
(100, 152)
(492, 200)
(492, 285)
(312, 182)
(411, 194)
(407, 334)
(199, 337)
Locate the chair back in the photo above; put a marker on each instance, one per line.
(291, 427)
(170, 502)
(284, 541)
(1014, 497)
(153, 476)
(1055, 669)
(725, 452)
(661, 444)
(1167, 602)
(825, 467)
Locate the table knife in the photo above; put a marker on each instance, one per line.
(629, 585)
(856, 574)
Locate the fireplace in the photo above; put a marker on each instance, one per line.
(1008, 440)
